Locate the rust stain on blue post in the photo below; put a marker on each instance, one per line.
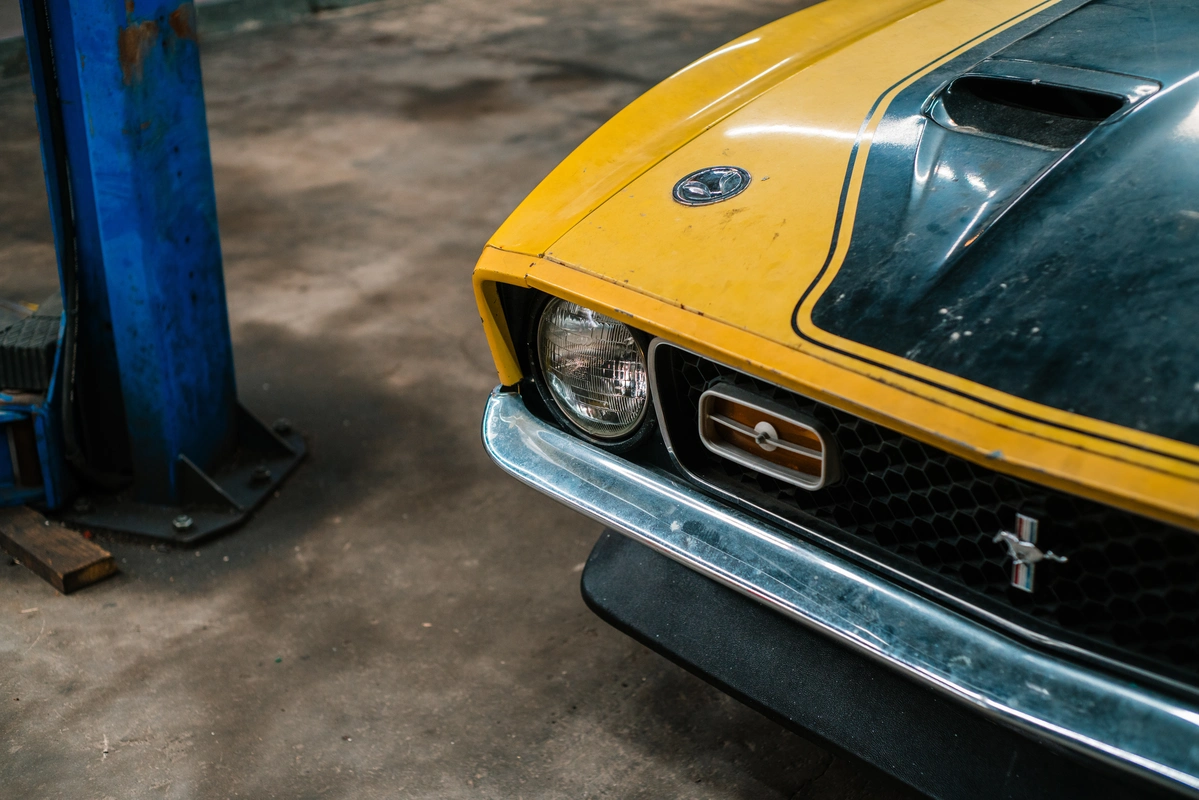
(137, 145)
(183, 22)
(133, 45)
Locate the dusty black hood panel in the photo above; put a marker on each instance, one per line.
(1068, 275)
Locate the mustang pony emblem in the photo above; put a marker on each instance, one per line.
(1023, 550)
(711, 185)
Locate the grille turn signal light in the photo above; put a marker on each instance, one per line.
(766, 437)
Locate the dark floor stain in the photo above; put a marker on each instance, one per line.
(570, 75)
(459, 103)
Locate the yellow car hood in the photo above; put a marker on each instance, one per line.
(798, 105)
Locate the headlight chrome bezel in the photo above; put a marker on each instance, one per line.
(622, 442)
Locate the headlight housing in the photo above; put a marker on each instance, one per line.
(593, 369)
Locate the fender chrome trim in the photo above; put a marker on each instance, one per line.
(1101, 716)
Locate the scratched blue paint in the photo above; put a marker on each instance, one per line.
(48, 432)
(152, 296)
(78, 238)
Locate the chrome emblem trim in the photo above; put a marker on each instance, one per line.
(711, 185)
(1022, 549)
(765, 436)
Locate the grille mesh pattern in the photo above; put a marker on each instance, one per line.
(1131, 583)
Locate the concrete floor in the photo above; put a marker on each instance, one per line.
(403, 620)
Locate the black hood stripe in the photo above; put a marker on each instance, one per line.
(981, 47)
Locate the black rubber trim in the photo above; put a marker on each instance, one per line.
(810, 684)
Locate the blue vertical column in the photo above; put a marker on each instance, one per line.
(145, 243)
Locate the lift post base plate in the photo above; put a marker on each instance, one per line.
(212, 503)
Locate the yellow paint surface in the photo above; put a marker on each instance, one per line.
(684, 106)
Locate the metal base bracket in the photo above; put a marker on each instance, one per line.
(211, 503)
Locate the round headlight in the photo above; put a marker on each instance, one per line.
(594, 369)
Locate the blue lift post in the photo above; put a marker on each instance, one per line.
(151, 425)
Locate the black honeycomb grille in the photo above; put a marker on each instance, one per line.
(1131, 585)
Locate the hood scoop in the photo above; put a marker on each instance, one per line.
(1040, 104)
(982, 141)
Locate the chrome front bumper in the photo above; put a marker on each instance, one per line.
(1129, 726)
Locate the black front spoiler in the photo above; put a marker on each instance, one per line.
(829, 693)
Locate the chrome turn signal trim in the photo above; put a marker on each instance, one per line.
(778, 443)
(1125, 724)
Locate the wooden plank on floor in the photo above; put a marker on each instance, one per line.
(60, 556)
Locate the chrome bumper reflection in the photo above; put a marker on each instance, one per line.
(1127, 725)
